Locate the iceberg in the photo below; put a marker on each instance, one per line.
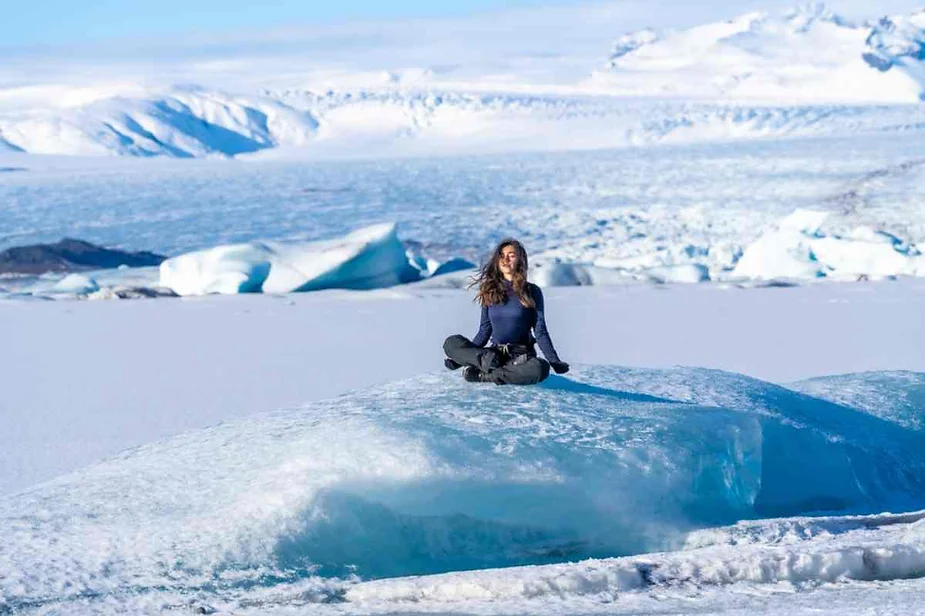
(369, 258)
(799, 249)
(432, 474)
(76, 284)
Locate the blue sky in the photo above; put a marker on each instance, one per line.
(51, 22)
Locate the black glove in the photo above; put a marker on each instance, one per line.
(451, 365)
(559, 366)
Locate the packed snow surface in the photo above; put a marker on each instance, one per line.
(432, 474)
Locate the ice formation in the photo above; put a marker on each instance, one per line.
(368, 258)
(434, 474)
(798, 249)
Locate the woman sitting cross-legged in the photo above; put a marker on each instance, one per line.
(512, 312)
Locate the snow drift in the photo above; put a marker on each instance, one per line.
(365, 259)
(433, 474)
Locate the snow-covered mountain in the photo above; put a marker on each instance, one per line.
(769, 73)
(808, 55)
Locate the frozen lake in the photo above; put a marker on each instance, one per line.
(579, 206)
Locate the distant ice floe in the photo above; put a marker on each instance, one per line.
(368, 258)
(75, 284)
(558, 274)
(629, 471)
(797, 249)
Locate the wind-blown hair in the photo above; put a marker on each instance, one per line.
(490, 281)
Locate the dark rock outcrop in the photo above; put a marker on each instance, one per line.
(70, 255)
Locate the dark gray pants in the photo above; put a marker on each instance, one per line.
(501, 368)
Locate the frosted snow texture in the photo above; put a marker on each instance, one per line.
(895, 396)
(773, 567)
(434, 474)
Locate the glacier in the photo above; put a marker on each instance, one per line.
(431, 474)
(305, 124)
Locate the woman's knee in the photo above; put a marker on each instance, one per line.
(533, 371)
(455, 341)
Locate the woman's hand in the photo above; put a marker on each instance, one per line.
(559, 366)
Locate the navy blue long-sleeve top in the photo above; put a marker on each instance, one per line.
(511, 322)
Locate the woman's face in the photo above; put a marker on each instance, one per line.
(507, 262)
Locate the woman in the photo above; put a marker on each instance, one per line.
(511, 308)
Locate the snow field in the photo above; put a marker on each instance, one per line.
(202, 124)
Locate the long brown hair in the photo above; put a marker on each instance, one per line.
(490, 282)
